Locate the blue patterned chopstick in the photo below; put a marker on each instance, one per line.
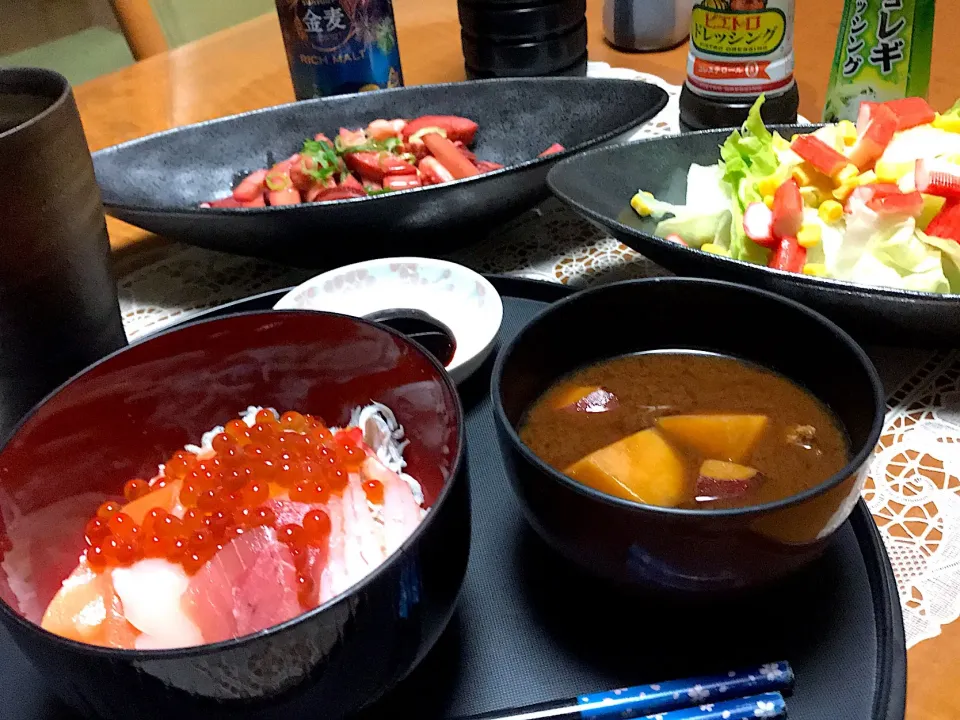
(767, 705)
(662, 697)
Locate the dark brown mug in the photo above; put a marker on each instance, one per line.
(58, 299)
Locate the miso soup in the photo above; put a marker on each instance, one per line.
(684, 429)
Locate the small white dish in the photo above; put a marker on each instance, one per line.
(456, 296)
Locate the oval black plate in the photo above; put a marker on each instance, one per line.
(599, 185)
(530, 629)
(158, 182)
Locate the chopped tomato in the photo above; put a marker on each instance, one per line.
(251, 186)
(466, 152)
(456, 128)
(349, 181)
(374, 166)
(227, 202)
(789, 256)
(232, 202)
(820, 155)
(352, 138)
(911, 111)
(339, 193)
(552, 150)
(433, 172)
(401, 182)
(876, 125)
(485, 166)
(385, 129)
(288, 196)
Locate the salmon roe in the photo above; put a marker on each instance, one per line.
(223, 495)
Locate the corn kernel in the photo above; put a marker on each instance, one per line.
(891, 172)
(830, 211)
(638, 203)
(845, 175)
(811, 196)
(950, 123)
(848, 132)
(815, 269)
(867, 178)
(768, 201)
(802, 175)
(842, 192)
(809, 235)
(714, 249)
(768, 186)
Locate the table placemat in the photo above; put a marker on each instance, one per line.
(914, 485)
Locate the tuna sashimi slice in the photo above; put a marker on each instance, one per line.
(248, 586)
(267, 595)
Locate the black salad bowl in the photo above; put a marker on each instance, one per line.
(122, 416)
(599, 184)
(689, 551)
(158, 182)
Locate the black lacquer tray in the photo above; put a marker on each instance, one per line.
(530, 628)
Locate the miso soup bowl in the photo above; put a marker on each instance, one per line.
(686, 549)
(121, 417)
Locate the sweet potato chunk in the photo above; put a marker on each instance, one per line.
(640, 467)
(721, 480)
(581, 398)
(729, 437)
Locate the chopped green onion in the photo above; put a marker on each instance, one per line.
(278, 182)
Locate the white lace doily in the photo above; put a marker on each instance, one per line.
(914, 486)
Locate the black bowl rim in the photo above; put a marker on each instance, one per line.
(656, 107)
(390, 561)
(806, 281)
(853, 466)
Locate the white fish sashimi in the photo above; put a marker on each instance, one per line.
(363, 535)
(401, 513)
(335, 578)
(150, 591)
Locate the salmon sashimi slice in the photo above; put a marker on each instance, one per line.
(87, 609)
(248, 586)
(167, 497)
(150, 592)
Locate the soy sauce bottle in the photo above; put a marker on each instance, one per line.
(739, 49)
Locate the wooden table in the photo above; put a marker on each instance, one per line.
(244, 68)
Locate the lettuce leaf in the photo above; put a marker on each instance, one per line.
(886, 250)
(949, 257)
(747, 156)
